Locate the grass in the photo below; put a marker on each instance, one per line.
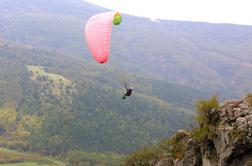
(14, 158)
(39, 71)
(24, 164)
(56, 80)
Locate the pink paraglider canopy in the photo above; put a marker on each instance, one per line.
(98, 33)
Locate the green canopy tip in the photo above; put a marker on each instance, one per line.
(117, 19)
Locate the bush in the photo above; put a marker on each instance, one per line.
(175, 147)
(17, 145)
(147, 156)
(82, 158)
(207, 111)
(77, 158)
(14, 144)
(203, 133)
(249, 99)
(207, 119)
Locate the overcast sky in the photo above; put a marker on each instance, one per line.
(215, 11)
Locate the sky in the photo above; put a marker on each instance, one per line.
(213, 11)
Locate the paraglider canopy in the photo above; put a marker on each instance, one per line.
(98, 33)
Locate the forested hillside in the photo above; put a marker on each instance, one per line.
(68, 103)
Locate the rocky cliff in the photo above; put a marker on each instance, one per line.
(229, 142)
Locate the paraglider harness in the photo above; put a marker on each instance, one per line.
(128, 91)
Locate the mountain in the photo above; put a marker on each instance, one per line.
(223, 137)
(214, 58)
(78, 104)
(75, 102)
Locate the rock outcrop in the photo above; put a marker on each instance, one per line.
(231, 144)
